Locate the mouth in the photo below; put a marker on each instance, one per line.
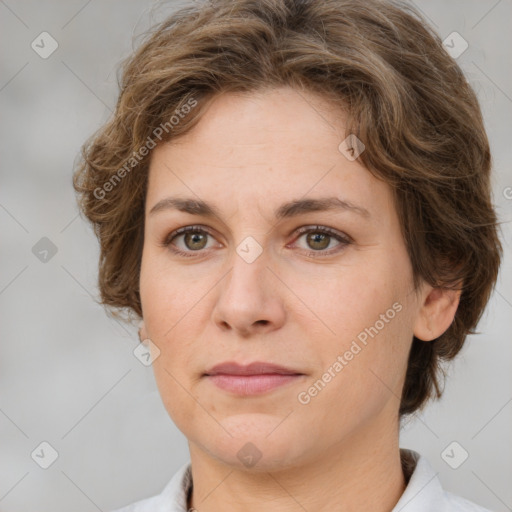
(252, 379)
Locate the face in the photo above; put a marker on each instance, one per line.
(324, 292)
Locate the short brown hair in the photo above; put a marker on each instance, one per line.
(401, 93)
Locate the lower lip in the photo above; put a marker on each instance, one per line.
(251, 384)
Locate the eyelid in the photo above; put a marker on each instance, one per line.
(184, 230)
(331, 231)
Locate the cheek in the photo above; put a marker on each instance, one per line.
(176, 311)
(340, 301)
(177, 398)
(357, 380)
(364, 318)
(165, 297)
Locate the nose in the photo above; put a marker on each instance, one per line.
(250, 299)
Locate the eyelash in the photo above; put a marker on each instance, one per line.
(343, 239)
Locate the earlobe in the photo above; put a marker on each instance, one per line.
(437, 313)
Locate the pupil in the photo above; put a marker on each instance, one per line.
(319, 238)
(196, 237)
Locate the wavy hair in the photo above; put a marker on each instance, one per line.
(401, 94)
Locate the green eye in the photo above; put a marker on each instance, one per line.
(318, 239)
(195, 240)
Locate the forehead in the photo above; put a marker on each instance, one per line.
(251, 148)
(270, 120)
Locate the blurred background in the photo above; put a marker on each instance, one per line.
(82, 426)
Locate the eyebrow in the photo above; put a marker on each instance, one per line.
(286, 210)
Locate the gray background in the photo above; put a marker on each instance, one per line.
(67, 372)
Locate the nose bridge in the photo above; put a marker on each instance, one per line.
(246, 298)
(250, 256)
(248, 275)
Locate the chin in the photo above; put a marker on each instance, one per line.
(256, 444)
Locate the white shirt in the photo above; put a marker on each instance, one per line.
(422, 494)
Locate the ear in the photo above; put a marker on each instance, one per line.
(436, 313)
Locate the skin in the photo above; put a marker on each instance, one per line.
(291, 306)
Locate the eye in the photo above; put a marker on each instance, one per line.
(194, 239)
(319, 238)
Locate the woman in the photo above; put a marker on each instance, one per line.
(294, 198)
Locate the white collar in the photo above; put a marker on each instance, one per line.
(423, 493)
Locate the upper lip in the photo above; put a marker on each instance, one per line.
(255, 368)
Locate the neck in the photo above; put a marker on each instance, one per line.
(360, 473)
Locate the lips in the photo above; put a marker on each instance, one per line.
(252, 379)
(256, 368)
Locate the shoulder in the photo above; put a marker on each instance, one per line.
(424, 491)
(173, 497)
